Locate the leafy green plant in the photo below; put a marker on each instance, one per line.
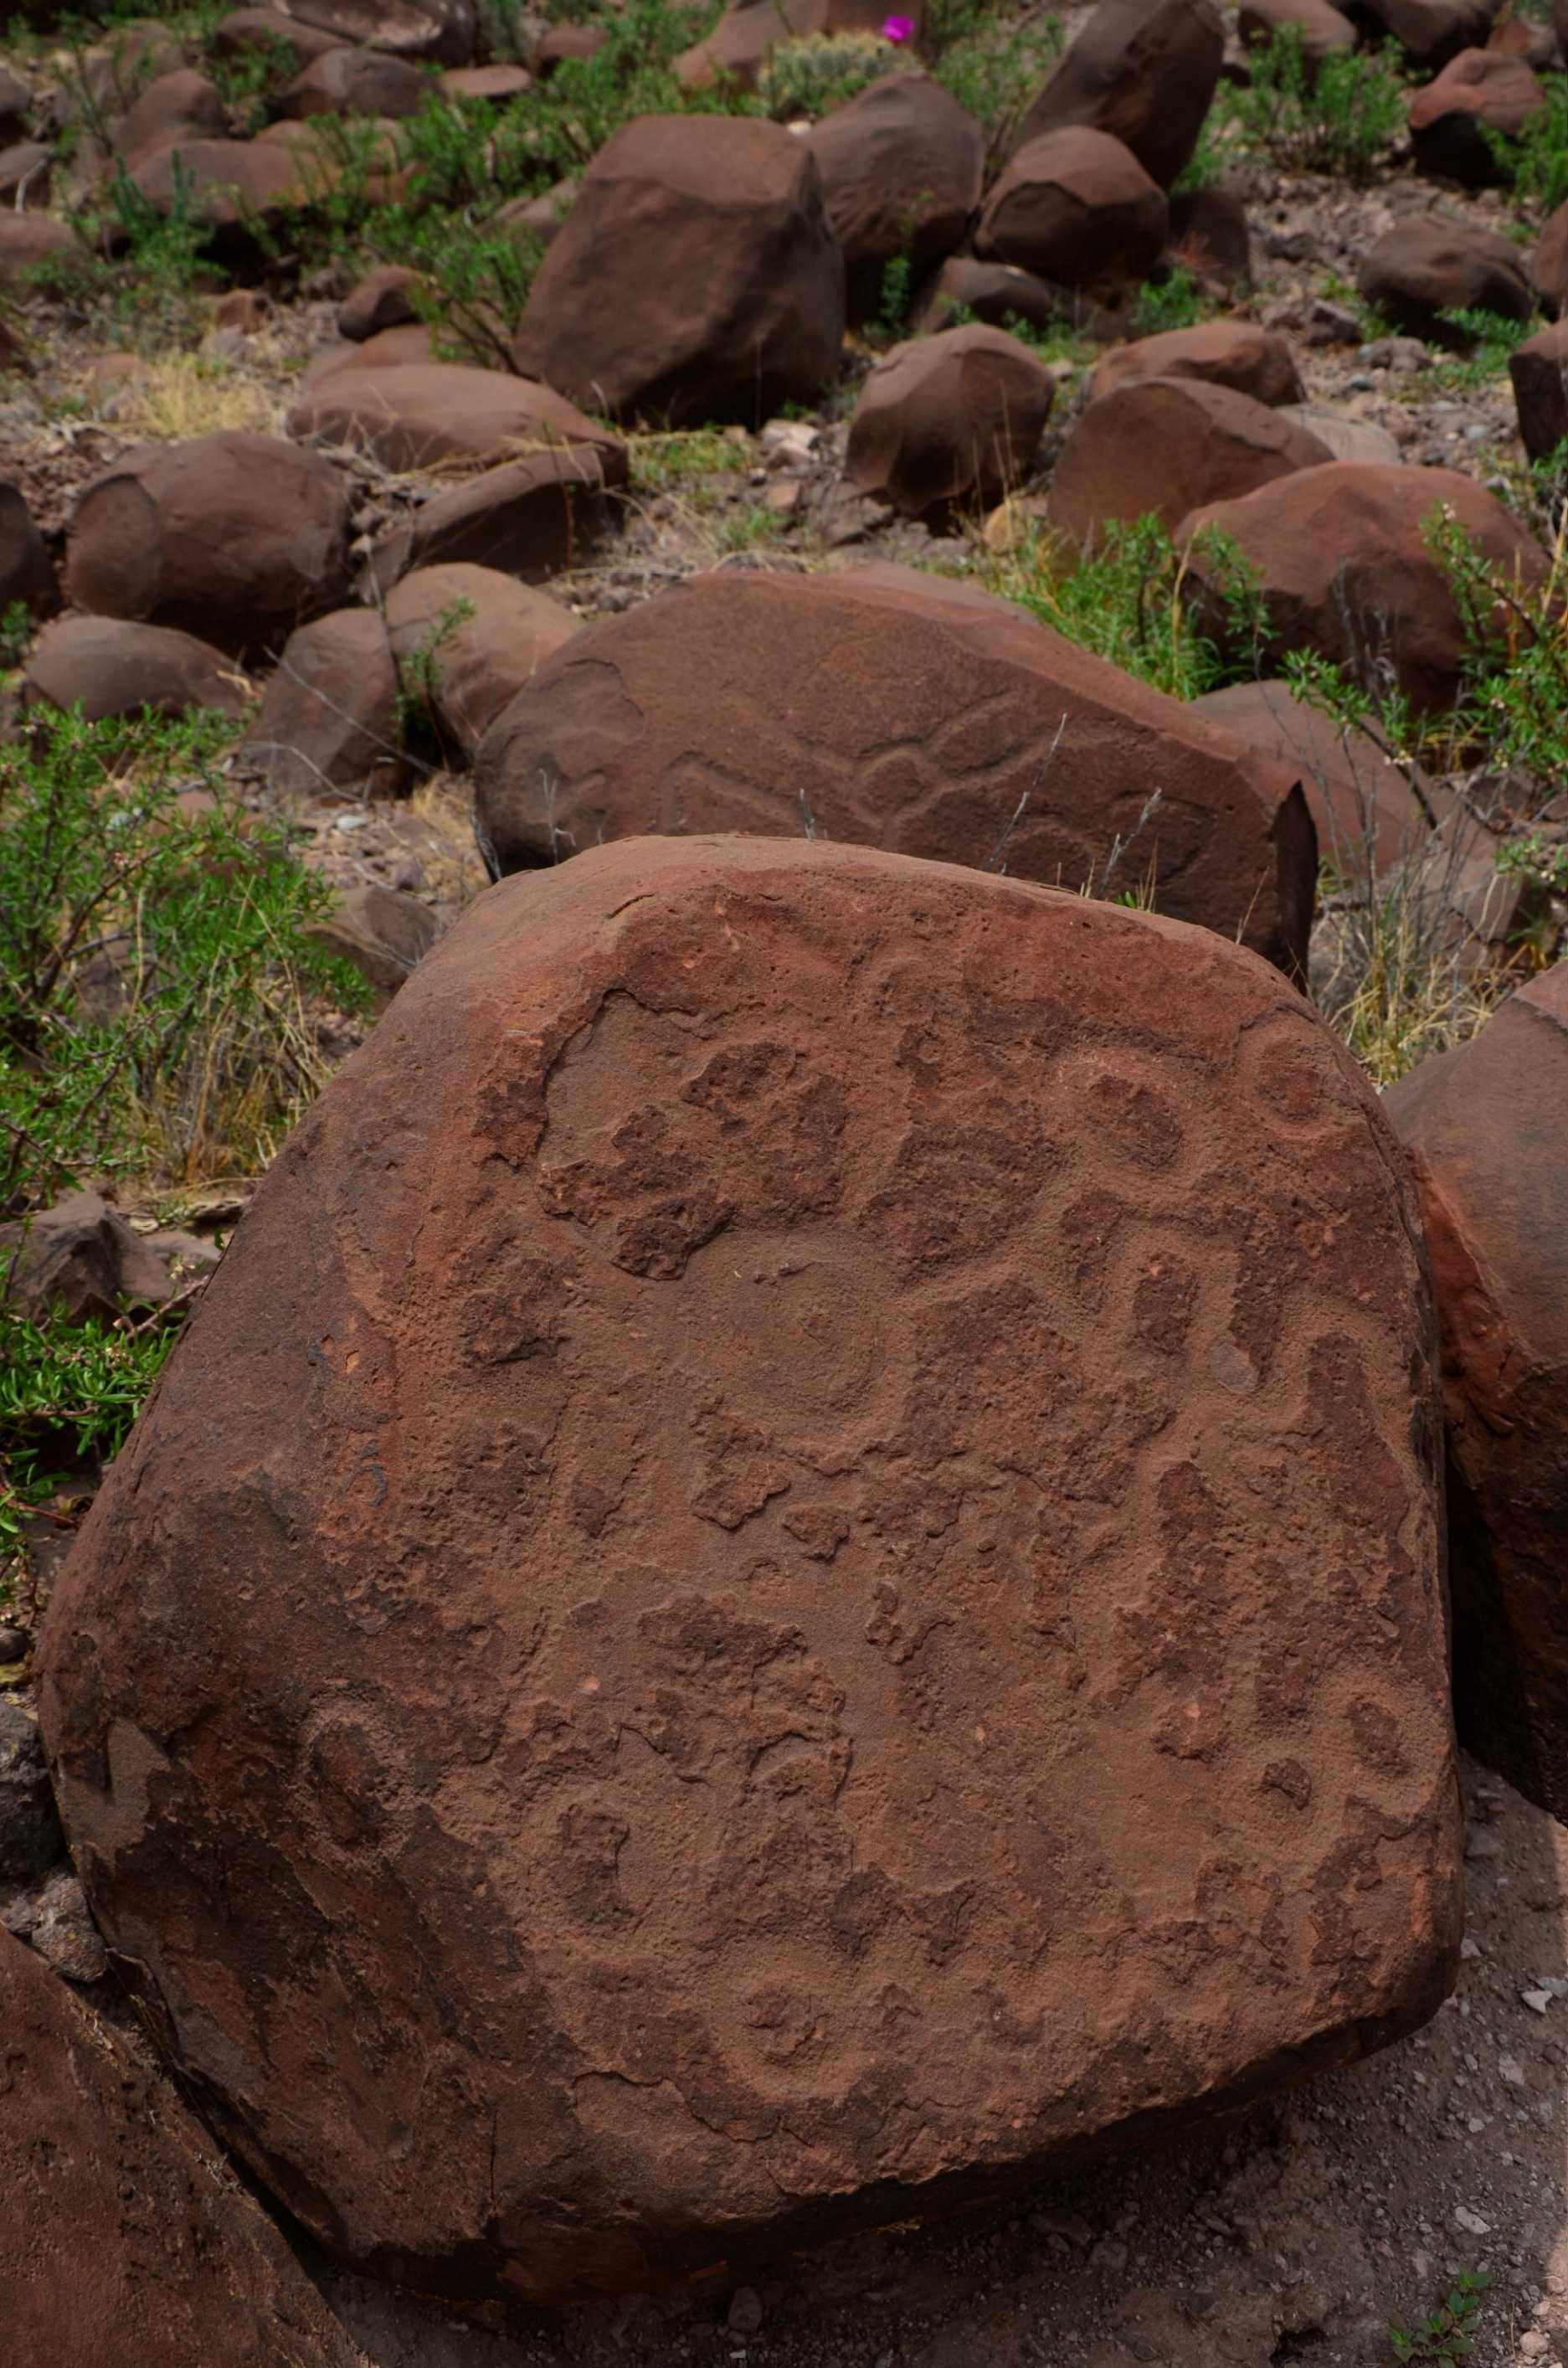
(1124, 601)
(813, 76)
(1448, 2334)
(1513, 700)
(15, 631)
(1336, 114)
(156, 964)
(419, 670)
(1487, 340)
(1535, 161)
(138, 273)
(1174, 301)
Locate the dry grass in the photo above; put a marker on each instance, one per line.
(179, 395)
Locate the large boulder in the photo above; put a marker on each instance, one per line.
(531, 518)
(793, 1570)
(695, 276)
(1144, 71)
(948, 422)
(1478, 91)
(232, 186)
(465, 641)
(107, 666)
(1076, 207)
(1430, 32)
(1420, 270)
(1487, 1127)
(125, 2238)
(229, 536)
(1548, 267)
(1369, 811)
(356, 82)
(901, 167)
(1161, 447)
(1539, 370)
(180, 107)
(885, 707)
(330, 716)
(1225, 353)
(416, 416)
(1343, 558)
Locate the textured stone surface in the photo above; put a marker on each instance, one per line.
(126, 2238)
(1160, 447)
(901, 167)
(1480, 90)
(229, 537)
(1076, 207)
(531, 518)
(1223, 353)
(696, 276)
(808, 1579)
(1421, 269)
(1342, 558)
(26, 572)
(30, 1838)
(329, 717)
(1539, 370)
(896, 711)
(107, 666)
(948, 420)
(1367, 812)
(1488, 1126)
(1144, 71)
(483, 635)
(419, 415)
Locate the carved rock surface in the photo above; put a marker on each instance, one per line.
(1487, 1127)
(126, 2238)
(896, 711)
(805, 1577)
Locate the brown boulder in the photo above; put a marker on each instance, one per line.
(1255, 363)
(16, 104)
(30, 244)
(232, 534)
(695, 276)
(1539, 370)
(1324, 32)
(1076, 207)
(107, 666)
(495, 84)
(384, 933)
(382, 300)
(419, 415)
(469, 639)
(1145, 70)
(356, 82)
(26, 174)
(270, 29)
(1162, 446)
(329, 718)
(81, 1258)
(1550, 268)
(1367, 811)
(410, 345)
(1479, 91)
(445, 32)
(1341, 558)
(889, 710)
(950, 421)
(1209, 236)
(27, 571)
(864, 1346)
(1430, 32)
(901, 167)
(1420, 270)
(531, 518)
(126, 2239)
(750, 31)
(1002, 296)
(178, 107)
(1485, 1128)
(1346, 439)
(230, 185)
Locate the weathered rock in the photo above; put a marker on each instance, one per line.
(251, 29)
(813, 1308)
(30, 1838)
(1481, 90)
(494, 84)
(558, 43)
(444, 31)
(534, 221)
(26, 174)
(26, 572)
(17, 105)
(531, 518)
(1420, 270)
(1367, 810)
(1348, 440)
(418, 415)
(696, 277)
(886, 708)
(409, 346)
(1548, 267)
(950, 421)
(1341, 558)
(30, 244)
(177, 108)
(62, 1931)
(1324, 32)
(1144, 71)
(329, 717)
(1210, 235)
(750, 31)
(382, 300)
(81, 1258)
(1257, 362)
(356, 82)
(109, 667)
(474, 637)
(122, 2227)
(1001, 295)
(1485, 1128)
(231, 536)
(1162, 446)
(230, 185)
(1077, 207)
(1539, 370)
(1430, 32)
(901, 167)
(382, 932)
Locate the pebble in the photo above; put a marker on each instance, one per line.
(745, 2311)
(1470, 2222)
(1509, 2068)
(13, 1645)
(1537, 2000)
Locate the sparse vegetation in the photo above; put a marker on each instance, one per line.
(1338, 114)
(1448, 2334)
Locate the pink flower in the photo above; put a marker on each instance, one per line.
(898, 28)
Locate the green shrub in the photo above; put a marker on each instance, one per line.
(1335, 116)
(995, 68)
(1535, 162)
(813, 76)
(1174, 301)
(155, 967)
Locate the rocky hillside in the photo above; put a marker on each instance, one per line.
(783, 1106)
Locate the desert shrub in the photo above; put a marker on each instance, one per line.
(1176, 300)
(1535, 161)
(1337, 116)
(138, 275)
(813, 76)
(994, 67)
(156, 965)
